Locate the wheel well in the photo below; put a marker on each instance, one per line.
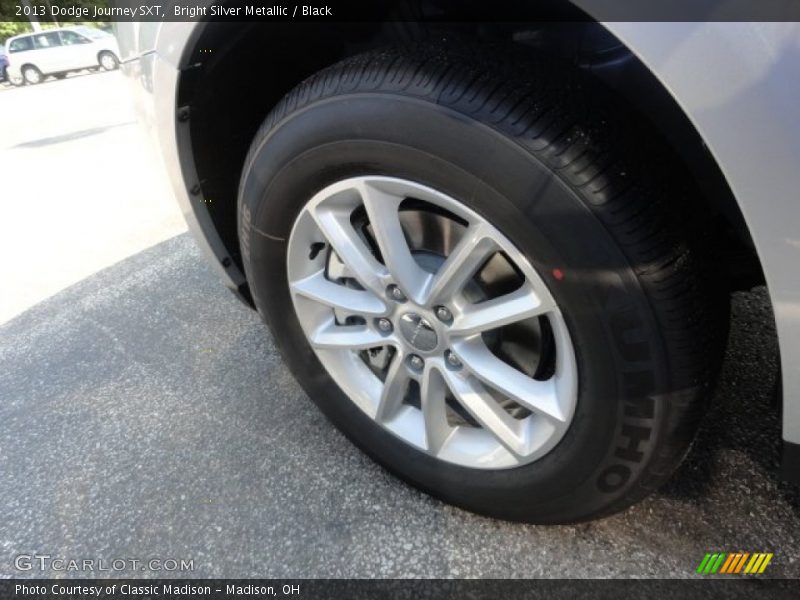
(238, 71)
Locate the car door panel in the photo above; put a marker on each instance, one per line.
(47, 52)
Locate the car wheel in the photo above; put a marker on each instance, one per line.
(487, 276)
(108, 61)
(31, 75)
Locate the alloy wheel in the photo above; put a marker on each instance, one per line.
(107, 62)
(432, 322)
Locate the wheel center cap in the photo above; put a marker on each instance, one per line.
(418, 332)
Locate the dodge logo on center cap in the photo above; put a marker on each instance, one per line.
(418, 332)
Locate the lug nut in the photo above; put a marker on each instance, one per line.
(452, 359)
(416, 362)
(395, 293)
(443, 314)
(385, 325)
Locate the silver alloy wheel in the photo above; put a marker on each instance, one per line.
(107, 62)
(32, 75)
(408, 339)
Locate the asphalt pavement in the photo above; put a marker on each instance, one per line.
(145, 413)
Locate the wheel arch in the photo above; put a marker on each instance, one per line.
(721, 74)
(230, 80)
(29, 64)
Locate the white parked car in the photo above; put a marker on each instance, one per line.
(33, 56)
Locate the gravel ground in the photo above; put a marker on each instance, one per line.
(145, 413)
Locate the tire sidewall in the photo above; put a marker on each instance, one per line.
(623, 379)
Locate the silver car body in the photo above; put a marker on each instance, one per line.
(738, 83)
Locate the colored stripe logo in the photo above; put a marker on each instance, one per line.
(734, 563)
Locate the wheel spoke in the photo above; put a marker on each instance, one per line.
(383, 211)
(537, 396)
(346, 337)
(432, 392)
(485, 410)
(317, 287)
(394, 389)
(472, 251)
(334, 223)
(518, 305)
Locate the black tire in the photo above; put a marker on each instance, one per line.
(549, 159)
(31, 75)
(112, 63)
(16, 82)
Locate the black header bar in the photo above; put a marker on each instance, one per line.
(65, 11)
